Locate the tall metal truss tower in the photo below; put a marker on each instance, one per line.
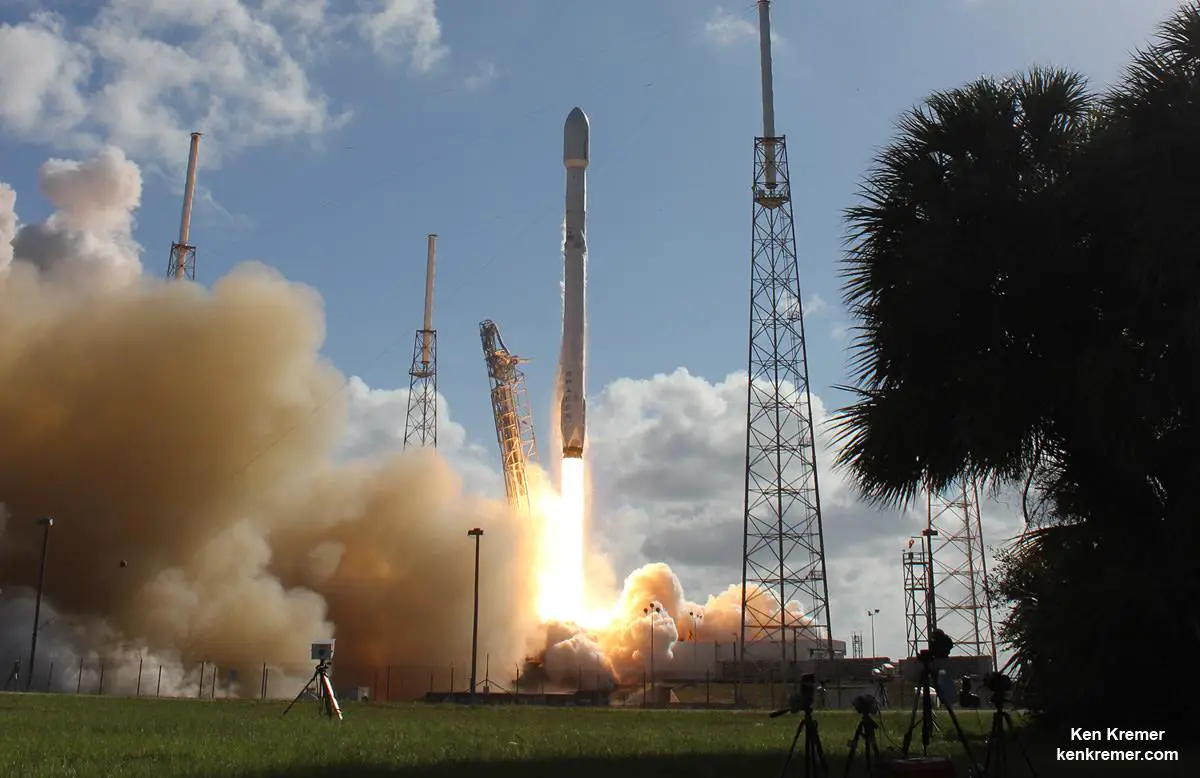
(783, 558)
(960, 601)
(856, 645)
(917, 613)
(420, 423)
(514, 422)
(182, 263)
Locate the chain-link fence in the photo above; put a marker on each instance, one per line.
(143, 676)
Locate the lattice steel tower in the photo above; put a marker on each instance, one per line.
(960, 601)
(514, 422)
(917, 612)
(182, 262)
(420, 424)
(783, 556)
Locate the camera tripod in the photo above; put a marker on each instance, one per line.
(815, 765)
(997, 746)
(925, 700)
(320, 686)
(866, 730)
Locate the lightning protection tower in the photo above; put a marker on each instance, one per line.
(420, 424)
(514, 422)
(960, 604)
(783, 556)
(917, 613)
(182, 263)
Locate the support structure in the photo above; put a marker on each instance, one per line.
(958, 560)
(783, 562)
(182, 263)
(420, 424)
(856, 644)
(514, 422)
(915, 562)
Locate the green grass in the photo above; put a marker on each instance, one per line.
(59, 735)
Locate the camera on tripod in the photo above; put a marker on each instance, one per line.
(803, 699)
(997, 683)
(865, 705)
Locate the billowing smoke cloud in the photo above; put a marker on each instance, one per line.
(183, 440)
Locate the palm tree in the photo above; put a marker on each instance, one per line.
(956, 258)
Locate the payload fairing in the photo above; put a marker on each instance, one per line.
(571, 359)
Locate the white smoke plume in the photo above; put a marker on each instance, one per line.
(184, 441)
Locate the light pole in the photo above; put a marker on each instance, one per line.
(476, 533)
(695, 617)
(871, 614)
(651, 610)
(47, 522)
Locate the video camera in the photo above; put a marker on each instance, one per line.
(865, 704)
(997, 683)
(803, 699)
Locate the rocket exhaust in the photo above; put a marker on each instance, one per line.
(573, 420)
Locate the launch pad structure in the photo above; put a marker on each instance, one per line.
(783, 557)
(182, 263)
(945, 581)
(514, 422)
(420, 421)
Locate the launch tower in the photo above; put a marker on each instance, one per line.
(420, 423)
(514, 422)
(958, 568)
(182, 263)
(783, 558)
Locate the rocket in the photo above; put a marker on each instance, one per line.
(573, 422)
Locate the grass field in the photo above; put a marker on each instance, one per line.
(60, 735)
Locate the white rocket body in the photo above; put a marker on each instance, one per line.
(571, 358)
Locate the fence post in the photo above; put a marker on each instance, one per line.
(49, 676)
(158, 690)
(79, 681)
(100, 690)
(262, 683)
(213, 694)
(387, 685)
(200, 684)
(141, 659)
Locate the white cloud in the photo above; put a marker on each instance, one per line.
(405, 26)
(483, 76)
(725, 29)
(141, 74)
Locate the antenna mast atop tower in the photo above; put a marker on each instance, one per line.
(182, 264)
(783, 558)
(420, 425)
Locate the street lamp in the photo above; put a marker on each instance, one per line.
(47, 522)
(650, 610)
(871, 614)
(476, 533)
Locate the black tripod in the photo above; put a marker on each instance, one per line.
(997, 745)
(815, 765)
(925, 699)
(865, 730)
(320, 686)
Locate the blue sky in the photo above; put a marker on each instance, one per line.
(468, 145)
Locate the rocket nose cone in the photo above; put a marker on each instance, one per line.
(575, 139)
